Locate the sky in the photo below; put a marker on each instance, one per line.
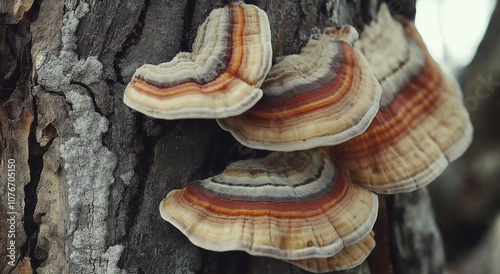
(452, 29)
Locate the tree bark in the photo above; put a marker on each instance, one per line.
(90, 172)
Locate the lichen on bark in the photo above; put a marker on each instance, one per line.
(87, 166)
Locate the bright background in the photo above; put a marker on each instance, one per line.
(452, 29)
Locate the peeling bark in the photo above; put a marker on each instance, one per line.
(94, 171)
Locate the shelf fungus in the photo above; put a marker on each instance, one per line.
(349, 257)
(221, 77)
(289, 206)
(323, 96)
(422, 124)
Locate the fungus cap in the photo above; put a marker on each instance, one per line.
(422, 124)
(221, 77)
(288, 206)
(326, 95)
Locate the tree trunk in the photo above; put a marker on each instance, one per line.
(90, 172)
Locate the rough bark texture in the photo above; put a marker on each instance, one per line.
(90, 172)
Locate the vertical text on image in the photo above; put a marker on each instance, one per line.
(11, 211)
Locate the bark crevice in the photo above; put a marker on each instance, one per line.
(132, 38)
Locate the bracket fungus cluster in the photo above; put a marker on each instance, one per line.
(345, 118)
